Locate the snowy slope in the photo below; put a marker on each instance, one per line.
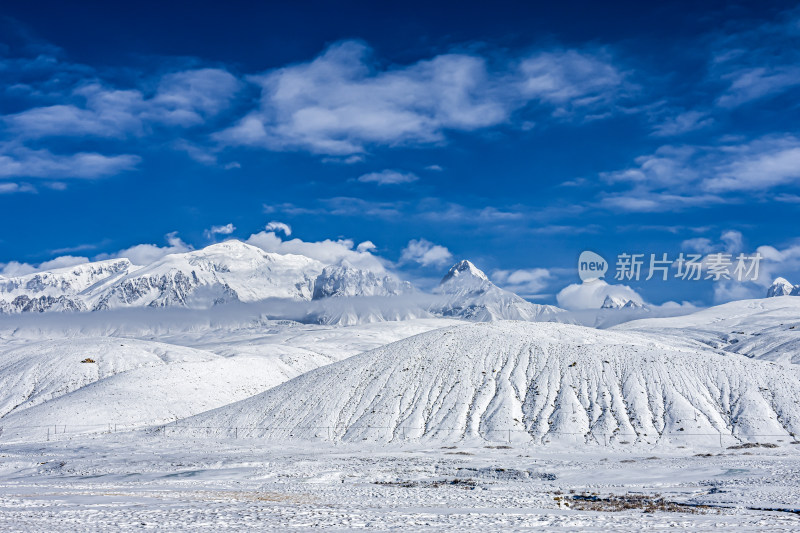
(131, 382)
(40, 371)
(134, 382)
(527, 381)
(467, 293)
(150, 395)
(767, 328)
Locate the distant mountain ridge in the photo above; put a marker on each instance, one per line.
(233, 271)
(225, 272)
(615, 302)
(345, 280)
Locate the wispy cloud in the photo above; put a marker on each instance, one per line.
(11, 187)
(281, 227)
(425, 209)
(17, 161)
(341, 102)
(676, 177)
(571, 80)
(182, 99)
(681, 123)
(758, 62)
(388, 177)
(526, 282)
(213, 231)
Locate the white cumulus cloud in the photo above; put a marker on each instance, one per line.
(276, 226)
(326, 251)
(144, 254)
(426, 253)
(526, 282)
(227, 229)
(592, 294)
(344, 100)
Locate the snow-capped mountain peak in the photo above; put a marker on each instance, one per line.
(468, 293)
(612, 302)
(461, 271)
(615, 302)
(780, 287)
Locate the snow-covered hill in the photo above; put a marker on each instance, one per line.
(525, 381)
(41, 371)
(149, 395)
(766, 328)
(89, 372)
(467, 293)
(88, 384)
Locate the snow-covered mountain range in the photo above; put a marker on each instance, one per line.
(230, 271)
(234, 271)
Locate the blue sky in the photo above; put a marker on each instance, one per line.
(513, 135)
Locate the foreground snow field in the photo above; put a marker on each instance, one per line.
(138, 481)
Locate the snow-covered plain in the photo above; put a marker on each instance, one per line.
(154, 482)
(224, 419)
